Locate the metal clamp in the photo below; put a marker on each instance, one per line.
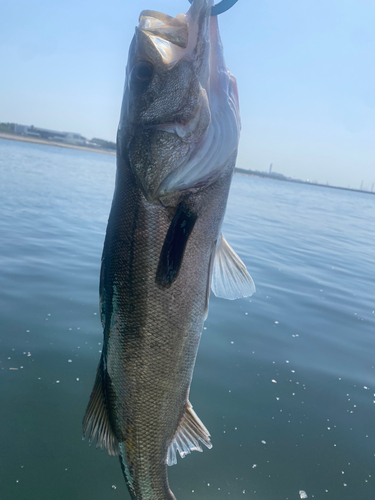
(221, 7)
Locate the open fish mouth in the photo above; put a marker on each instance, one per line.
(166, 32)
(186, 35)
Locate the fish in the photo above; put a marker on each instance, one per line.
(164, 250)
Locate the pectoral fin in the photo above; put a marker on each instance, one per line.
(190, 431)
(96, 418)
(230, 279)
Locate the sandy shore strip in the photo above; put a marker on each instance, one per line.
(14, 137)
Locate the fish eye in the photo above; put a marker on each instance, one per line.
(142, 72)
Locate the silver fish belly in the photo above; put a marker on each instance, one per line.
(164, 250)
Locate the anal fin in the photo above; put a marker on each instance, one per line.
(96, 418)
(190, 431)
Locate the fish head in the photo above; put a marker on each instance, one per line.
(179, 123)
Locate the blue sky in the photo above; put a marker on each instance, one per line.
(305, 72)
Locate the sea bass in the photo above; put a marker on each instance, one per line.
(176, 150)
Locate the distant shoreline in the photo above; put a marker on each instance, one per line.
(256, 173)
(266, 175)
(14, 137)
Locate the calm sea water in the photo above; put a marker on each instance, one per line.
(285, 382)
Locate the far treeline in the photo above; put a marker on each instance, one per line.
(7, 128)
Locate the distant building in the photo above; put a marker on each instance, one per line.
(44, 133)
(56, 136)
(49, 135)
(72, 138)
(31, 133)
(20, 129)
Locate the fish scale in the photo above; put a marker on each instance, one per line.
(163, 248)
(152, 340)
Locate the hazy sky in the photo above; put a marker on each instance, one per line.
(305, 72)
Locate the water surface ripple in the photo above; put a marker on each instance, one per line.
(285, 382)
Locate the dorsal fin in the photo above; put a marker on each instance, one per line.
(174, 245)
(190, 431)
(96, 418)
(230, 279)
